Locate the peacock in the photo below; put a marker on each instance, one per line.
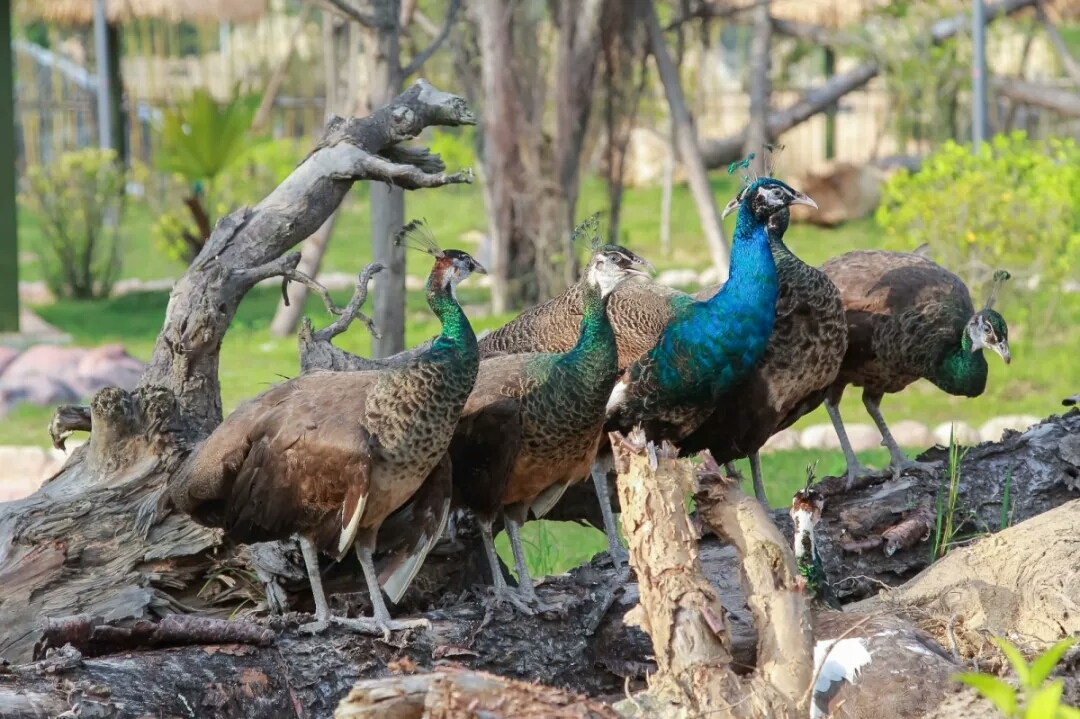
(327, 456)
(534, 420)
(863, 665)
(709, 345)
(908, 318)
(803, 356)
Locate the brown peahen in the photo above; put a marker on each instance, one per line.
(803, 356)
(534, 421)
(327, 456)
(864, 666)
(908, 318)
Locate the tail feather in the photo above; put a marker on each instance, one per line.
(401, 569)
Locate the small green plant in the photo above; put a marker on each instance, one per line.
(946, 527)
(1036, 698)
(201, 140)
(79, 199)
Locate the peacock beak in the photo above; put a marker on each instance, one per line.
(478, 268)
(1002, 348)
(731, 206)
(803, 199)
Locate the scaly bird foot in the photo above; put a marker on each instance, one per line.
(619, 556)
(366, 625)
(504, 596)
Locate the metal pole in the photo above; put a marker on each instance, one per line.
(978, 74)
(9, 243)
(101, 49)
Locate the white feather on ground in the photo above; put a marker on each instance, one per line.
(836, 661)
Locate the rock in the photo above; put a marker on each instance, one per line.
(709, 276)
(34, 293)
(909, 433)
(37, 389)
(44, 360)
(22, 470)
(965, 434)
(819, 436)
(99, 357)
(677, 278)
(783, 441)
(7, 356)
(863, 437)
(992, 430)
(119, 374)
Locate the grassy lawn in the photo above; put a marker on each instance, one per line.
(1043, 370)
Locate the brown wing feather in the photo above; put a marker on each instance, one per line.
(287, 462)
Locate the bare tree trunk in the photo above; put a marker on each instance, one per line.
(757, 132)
(338, 67)
(387, 202)
(1068, 62)
(502, 154)
(689, 153)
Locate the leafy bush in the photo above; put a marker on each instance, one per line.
(79, 199)
(1015, 204)
(455, 147)
(1036, 698)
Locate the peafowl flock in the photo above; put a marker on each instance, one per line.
(803, 356)
(327, 456)
(908, 318)
(863, 665)
(533, 422)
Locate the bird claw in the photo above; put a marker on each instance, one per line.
(316, 627)
(619, 557)
(501, 597)
(372, 626)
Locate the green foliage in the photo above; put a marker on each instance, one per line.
(946, 526)
(1036, 699)
(200, 137)
(456, 147)
(255, 174)
(1015, 204)
(79, 199)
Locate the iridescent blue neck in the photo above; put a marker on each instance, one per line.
(752, 276)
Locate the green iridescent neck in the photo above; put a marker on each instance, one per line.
(812, 570)
(962, 372)
(596, 338)
(456, 330)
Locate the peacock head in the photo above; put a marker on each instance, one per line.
(451, 266)
(612, 264)
(766, 196)
(987, 328)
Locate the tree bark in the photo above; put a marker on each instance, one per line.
(93, 539)
(504, 170)
(757, 132)
(340, 100)
(1039, 94)
(686, 136)
(383, 64)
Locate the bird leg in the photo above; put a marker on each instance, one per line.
(899, 462)
(380, 623)
(513, 517)
(759, 484)
(618, 554)
(855, 469)
(500, 592)
(322, 609)
(733, 471)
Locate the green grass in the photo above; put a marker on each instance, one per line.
(1041, 374)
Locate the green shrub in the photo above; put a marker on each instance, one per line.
(1015, 205)
(1036, 698)
(455, 147)
(79, 199)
